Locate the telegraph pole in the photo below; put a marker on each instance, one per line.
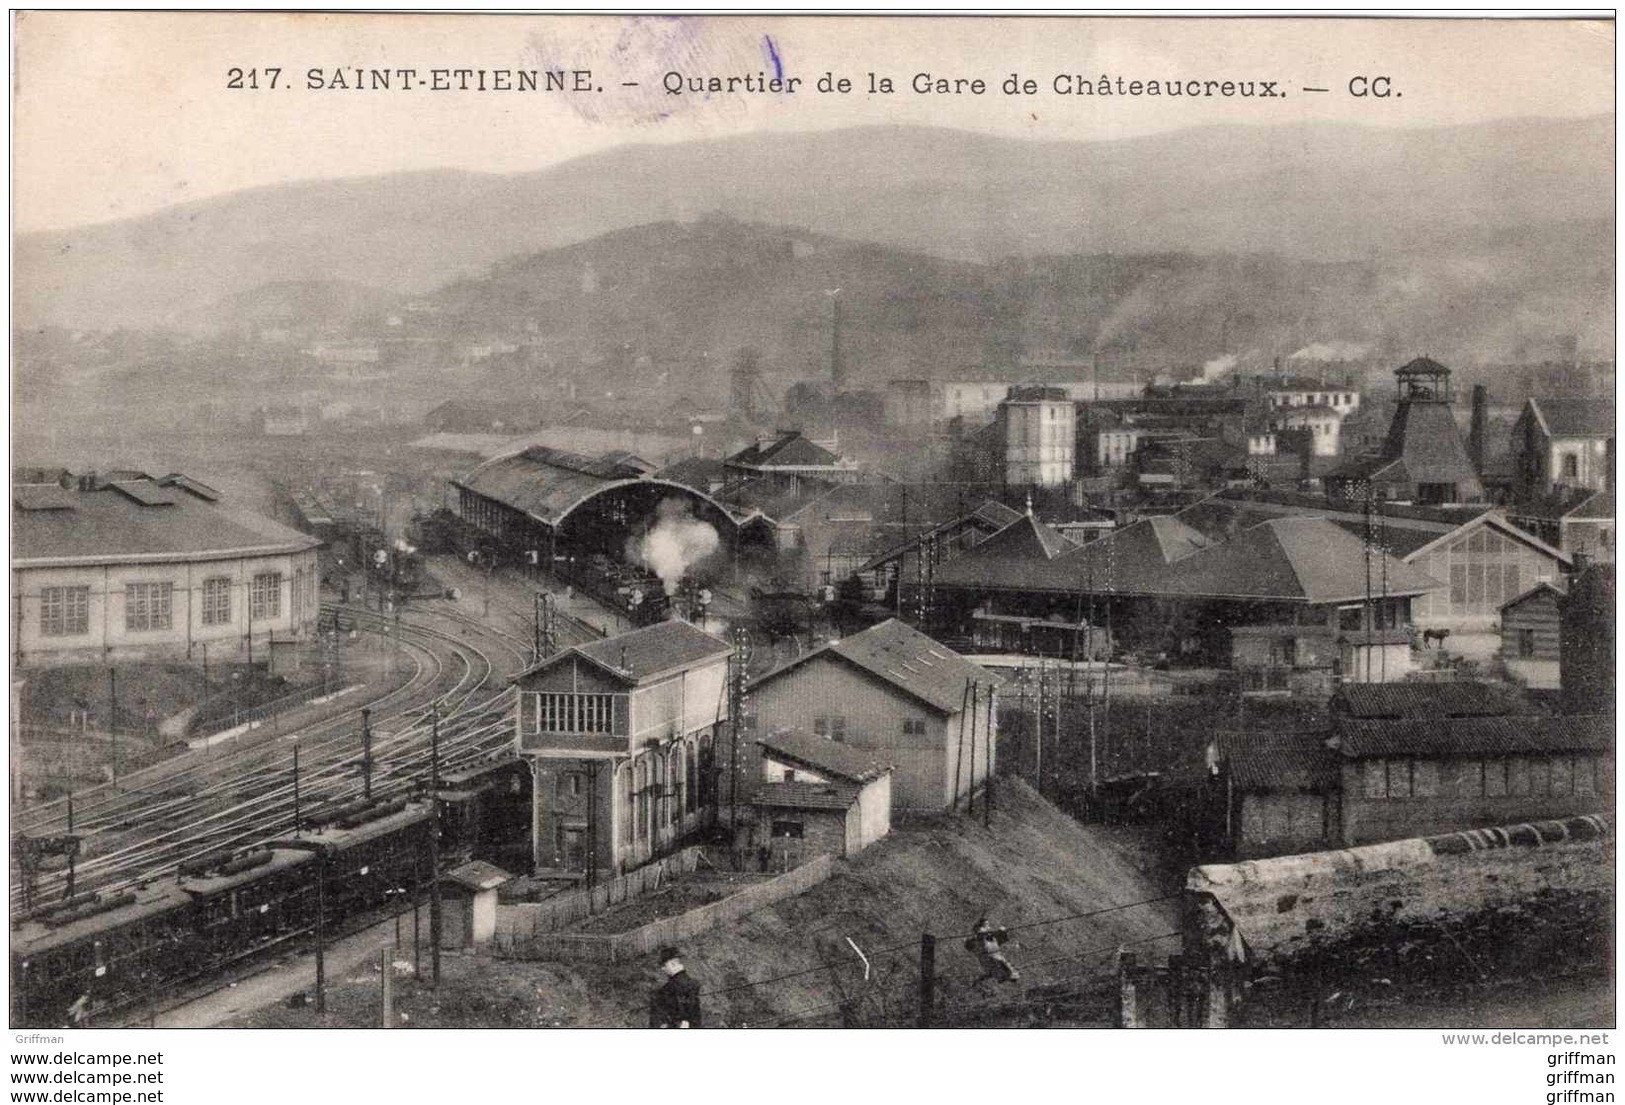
(434, 848)
(296, 817)
(366, 753)
(736, 707)
(321, 931)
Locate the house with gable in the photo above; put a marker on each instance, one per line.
(896, 694)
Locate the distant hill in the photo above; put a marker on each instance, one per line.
(686, 297)
(1311, 193)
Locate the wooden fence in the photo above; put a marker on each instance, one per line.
(642, 942)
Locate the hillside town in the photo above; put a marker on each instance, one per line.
(580, 688)
(697, 521)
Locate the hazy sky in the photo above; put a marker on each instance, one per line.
(118, 114)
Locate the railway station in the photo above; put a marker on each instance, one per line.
(605, 524)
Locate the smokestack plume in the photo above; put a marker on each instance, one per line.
(677, 542)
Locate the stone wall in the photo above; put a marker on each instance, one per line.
(1277, 911)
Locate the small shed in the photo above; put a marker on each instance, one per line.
(469, 916)
(1281, 792)
(816, 797)
(1530, 638)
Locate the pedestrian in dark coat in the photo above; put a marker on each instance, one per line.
(676, 1003)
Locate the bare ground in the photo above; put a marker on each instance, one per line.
(794, 963)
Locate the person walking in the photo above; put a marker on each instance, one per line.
(676, 1004)
(986, 942)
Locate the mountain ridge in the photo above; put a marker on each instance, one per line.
(1303, 190)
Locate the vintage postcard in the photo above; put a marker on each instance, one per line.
(795, 522)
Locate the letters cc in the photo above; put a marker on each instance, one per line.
(1378, 88)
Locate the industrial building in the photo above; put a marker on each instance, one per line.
(1411, 760)
(622, 736)
(1423, 459)
(125, 567)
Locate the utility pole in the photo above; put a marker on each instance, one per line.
(970, 800)
(72, 851)
(928, 980)
(296, 817)
(736, 708)
(388, 995)
(366, 753)
(321, 932)
(417, 896)
(987, 746)
(592, 827)
(1038, 734)
(434, 847)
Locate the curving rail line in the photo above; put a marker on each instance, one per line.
(246, 798)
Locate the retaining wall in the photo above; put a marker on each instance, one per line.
(1293, 907)
(645, 941)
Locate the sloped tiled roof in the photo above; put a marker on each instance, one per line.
(139, 520)
(1475, 736)
(1403, 528)
(1465, 698)
(907, 659)
(991, 515)
(1128, 561)
(806, 796)
(1544, 587)
(790, 450)
(1308, 560)
(1574, 417)
(825, 756)
(1279, 761)
(646, 653)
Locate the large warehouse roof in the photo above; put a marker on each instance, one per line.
(137, 520)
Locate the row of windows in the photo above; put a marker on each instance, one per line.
(558, 712)
(1317, 399)
(834, 727)
(65, 611)
(1515, 776)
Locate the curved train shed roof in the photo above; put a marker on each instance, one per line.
(548, 484)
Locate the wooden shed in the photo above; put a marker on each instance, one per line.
(469, 918)
(1530, 638)
(816, 797)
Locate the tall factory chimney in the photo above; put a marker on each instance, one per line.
(1478, 428)
(744, 381)
(837, 371)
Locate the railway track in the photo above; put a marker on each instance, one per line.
(138, 833)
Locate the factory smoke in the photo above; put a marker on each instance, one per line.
(677, 542)
(1217, 367)
(1330, 351)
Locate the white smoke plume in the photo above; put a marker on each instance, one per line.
(1331, 351)
(1217, 367)
(677, 542)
